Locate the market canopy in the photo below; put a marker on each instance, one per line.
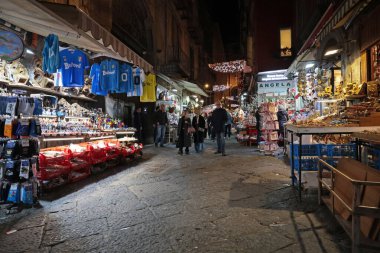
(82, 31)
(170, 83)
(181, 85)
(193, 87)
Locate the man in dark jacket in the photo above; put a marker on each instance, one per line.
(161, 121)
(219, 119)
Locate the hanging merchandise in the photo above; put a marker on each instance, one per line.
(50, 53)
(95, 75)
(109, 77)
(73, 63)
(126, 78)
(149, 89)
(138, 79)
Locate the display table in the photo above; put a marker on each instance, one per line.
(299, 131)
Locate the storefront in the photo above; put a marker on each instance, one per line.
(65, 115)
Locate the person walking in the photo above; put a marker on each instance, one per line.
(282, 117)
(161, 120)
(199, 125)
(137, 123)
(258, 124)
(206, 126)
(209, 126)
(219, 119)
(185, 131)
(227, 131)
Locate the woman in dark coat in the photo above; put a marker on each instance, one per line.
(282, 117)
(199, 124)
(184, 133)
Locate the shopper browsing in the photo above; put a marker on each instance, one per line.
(161, 120)
(219, 119)
(185, 131)
(199, 124)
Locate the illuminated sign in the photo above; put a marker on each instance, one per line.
(274, 86)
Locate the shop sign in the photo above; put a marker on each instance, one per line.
(271, 77)
(274, 86)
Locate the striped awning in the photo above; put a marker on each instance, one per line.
(343, 12)
(78, 30)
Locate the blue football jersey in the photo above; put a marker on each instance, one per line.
(126, 76)
(95, 78)
(113, 75)
(73, 62)
(138, 79)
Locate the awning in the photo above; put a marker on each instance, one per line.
(317, 29)
(82, 31)
(348, 10)
(181, 84)
(193, 87)
(170, 83)
(300, 62)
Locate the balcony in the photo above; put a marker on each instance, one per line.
(177, 63)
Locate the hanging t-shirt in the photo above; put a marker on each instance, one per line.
(138, 79)
(149, 89)
(126, 79)
(113, 75)
(50, 53)
(109, 76)
(95, 75)
(73, 62)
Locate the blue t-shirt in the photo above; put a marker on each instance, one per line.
(95, 84)
(50, 53)
(73, 62)
(109, 77)
(126, 79)
(137, 81)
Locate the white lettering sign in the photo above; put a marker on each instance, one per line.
(275, 86)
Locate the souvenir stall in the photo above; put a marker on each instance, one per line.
(332, 112)
(54, 129)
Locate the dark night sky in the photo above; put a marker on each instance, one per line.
(226, 14)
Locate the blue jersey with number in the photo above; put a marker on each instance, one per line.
(126, 76)
(73, 62)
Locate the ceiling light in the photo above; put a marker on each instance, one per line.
(28, 51)
(174, 90)
(309, 65)
(331, 52)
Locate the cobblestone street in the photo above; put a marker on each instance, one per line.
(172, 203)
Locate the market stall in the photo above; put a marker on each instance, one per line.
(57, 127)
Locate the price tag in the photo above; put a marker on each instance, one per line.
(11, 108)
(24, 122)
(25, 142)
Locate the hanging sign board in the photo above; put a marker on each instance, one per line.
(274, 86)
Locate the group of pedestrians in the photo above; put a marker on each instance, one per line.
(216, 125)
(199, 127)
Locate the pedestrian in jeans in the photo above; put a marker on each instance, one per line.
(161, 119)
(219, 119)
